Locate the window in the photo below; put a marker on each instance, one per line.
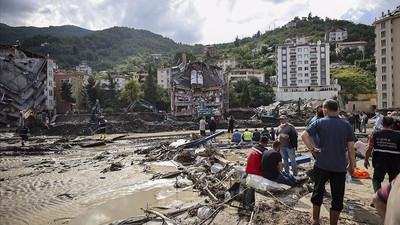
(383, 25)
(383, 43)
(305, 49)
(305, 68)
(384, 95)
(283, 51)
(383, 69)
(50, 92)
(384, 86)
(299, 50)
(306, 81)
(299, 56)
(284, 70)
(383, 34)
(300, 81)
(323, 49)
(383, 77)
(384, 104)
(383, 60)
(283, 63)
(306, 56)
(299, 75)
(305, 61)
(306, 74)
(284, 57)
(299, 62)
(299, 68)
(383, 51)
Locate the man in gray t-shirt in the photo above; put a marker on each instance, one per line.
(287, 151)
(336, 137)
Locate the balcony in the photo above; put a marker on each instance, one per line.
(292, 65)
(293, 84)
(293, 78)
(292, 58)
(293, 71)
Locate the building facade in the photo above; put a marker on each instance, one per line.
(84, 68)
(77, 80)
(387, 52)
(336, 35)
(359, 45)
(245, 74)
(227, 63)
(164, 77)
(119, 81)
(302, 70)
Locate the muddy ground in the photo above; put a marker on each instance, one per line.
(57, 180)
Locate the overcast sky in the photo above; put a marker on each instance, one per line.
(187, 21)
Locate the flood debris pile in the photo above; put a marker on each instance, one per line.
(298, 113)
(221, 181)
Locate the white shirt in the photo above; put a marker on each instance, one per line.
(202, 124)
(361, 147)
(378, 122)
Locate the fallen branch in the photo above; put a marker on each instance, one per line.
(162, 216)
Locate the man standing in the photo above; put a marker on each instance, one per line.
(364, 121)
(271, 166)
(213, 126)
(336, 136)
(253, 165)
(287, 151)
(386, 155)
(103, 127)
(203, 126)
(378, 121)
(231, 125)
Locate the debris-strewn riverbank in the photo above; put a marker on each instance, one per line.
(137, 178)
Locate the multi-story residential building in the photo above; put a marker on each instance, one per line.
(302, 70)
(84, 68)
(227, 63)
(245, 74)
(360, 45)
(26, 83)
(387, 55)
(164, 77)
(336, 35)
(77, 80)
(118, 79)
(141, 76)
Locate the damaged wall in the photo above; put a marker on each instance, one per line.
(194, 83)
(23, 83)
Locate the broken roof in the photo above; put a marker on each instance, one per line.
(210, 75)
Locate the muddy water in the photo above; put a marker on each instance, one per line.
(69, 188)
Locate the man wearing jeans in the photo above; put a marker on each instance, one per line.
(271, 166)
(336, 137)
(287, 151)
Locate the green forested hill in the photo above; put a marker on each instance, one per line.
(102, 49)
(8, 35)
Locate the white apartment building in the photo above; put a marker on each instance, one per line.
(50, 84)
(119, 82)
(387, 55)
(302, 70)
(336, 35)
(225, 63)
(164, 77)
(245, 74)
(84, 68)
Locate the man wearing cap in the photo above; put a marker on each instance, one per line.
(287, 151)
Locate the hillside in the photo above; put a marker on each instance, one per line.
(8, 35)
(102, 49)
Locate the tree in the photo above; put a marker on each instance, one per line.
(245, 97)
(237, 42)
(131, 91)
(150, 86)
(90, 88)
(66, 93)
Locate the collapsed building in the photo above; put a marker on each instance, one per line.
(26, 83)
(196, 86)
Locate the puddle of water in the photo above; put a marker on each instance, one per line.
(130, 205)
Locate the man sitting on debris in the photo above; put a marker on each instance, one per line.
(256, 135)
(265, 132)
(253, 165)
(237, 137)
(246, 136)
(272, 166)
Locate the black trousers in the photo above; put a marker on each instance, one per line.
(384, 164)
(337, 182)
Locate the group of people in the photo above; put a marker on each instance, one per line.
(248, 136)
(331, 138)
(358, 121)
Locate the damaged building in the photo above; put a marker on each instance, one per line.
(26, 83)
(197, 86)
